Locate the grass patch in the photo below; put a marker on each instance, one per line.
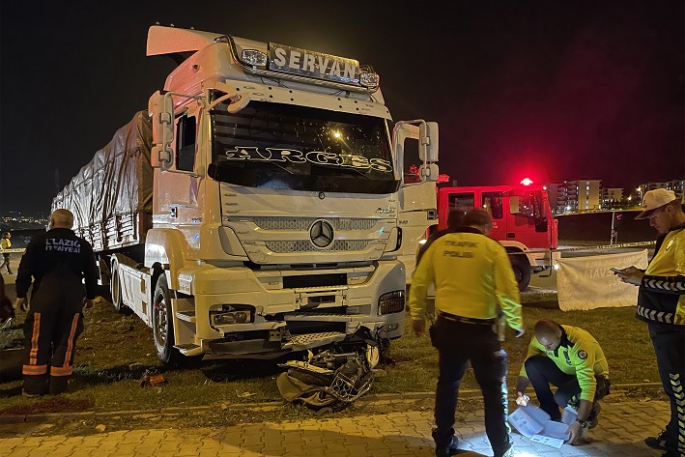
(114, 352)
(49, 405)
(623, 338)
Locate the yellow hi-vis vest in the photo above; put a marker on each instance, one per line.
(661, 298)
(472, 276)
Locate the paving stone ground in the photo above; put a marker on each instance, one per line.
(623, 426)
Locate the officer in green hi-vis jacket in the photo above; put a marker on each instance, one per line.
(571, 359)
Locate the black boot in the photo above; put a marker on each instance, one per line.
(449, 450)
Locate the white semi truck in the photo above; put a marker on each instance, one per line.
(252, 210)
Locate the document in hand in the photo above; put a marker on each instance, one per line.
(536, 425)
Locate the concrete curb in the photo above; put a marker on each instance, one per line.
(265, 406)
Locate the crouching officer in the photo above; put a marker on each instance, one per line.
(472, 276)
(58, 261)
(571, 359)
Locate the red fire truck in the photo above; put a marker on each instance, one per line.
(522, 222)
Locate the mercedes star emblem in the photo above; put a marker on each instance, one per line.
(321, 233)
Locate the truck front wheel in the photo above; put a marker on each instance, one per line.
(162, 323)
(522, 270)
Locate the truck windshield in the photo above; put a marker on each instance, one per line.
(282, 146)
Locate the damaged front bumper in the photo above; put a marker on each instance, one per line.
(288, 336)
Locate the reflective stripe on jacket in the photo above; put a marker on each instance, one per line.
(661, 297)
(578, 354)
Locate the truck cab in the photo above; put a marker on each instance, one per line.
(267, 182)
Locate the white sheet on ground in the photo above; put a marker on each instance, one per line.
(536, 425)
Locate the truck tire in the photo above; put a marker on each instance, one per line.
(162, 324)
(105, 279)
(522, 270)
(115, 291)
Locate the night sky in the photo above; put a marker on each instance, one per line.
(553, 90)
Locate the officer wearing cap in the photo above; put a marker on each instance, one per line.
(472, 276)
(661, 303)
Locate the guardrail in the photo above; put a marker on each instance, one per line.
(637, 244)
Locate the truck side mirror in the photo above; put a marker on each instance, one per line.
(430, 172)
(514, 205)
(161, 110)
(428, 142)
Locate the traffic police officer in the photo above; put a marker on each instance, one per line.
(661, 303)
(571, 359)
(472, 276)
(58, 261)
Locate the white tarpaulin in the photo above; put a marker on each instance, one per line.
(588, 282)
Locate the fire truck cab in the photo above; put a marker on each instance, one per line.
(522, 222)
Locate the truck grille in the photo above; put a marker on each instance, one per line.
(298, 223)
(305, 246)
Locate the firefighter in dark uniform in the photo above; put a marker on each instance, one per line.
(58, 261)
(472, 275)
(661, 303)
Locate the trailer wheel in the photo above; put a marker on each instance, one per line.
(105, 282)
(115, 290)
(162, 323)
(522, 270)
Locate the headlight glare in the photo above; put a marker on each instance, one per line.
(392, 302)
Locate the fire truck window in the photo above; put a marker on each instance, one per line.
(526, 206)
(492, 203)
(462, 202)
(185, 144)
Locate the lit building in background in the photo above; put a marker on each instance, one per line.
(576, 196)
(612, 194)
(676, 186)
(589, 195)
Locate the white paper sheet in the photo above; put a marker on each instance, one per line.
(556, 430)
(569, 415)
(554, 442)
(535, 424)
(526, 425)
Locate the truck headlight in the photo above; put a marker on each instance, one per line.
(254, 57)
(392, 302)
(230, 315)
(369, 79)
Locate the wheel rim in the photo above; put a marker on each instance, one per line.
(160, 320)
